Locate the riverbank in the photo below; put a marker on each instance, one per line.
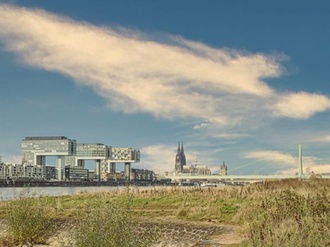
(159, 208)
(55, 183)
(178, 216)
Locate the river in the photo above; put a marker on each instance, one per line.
(10, 193)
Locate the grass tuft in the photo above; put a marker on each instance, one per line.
(111, 224)
(28, 222)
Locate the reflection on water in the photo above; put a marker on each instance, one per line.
(9, 193)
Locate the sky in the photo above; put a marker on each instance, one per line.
(240, 82)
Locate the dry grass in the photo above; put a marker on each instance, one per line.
(291, 213)
(272, 212)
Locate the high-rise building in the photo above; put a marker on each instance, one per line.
(70, 154)
(35, 149)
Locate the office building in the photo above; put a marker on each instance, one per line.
(69, 153)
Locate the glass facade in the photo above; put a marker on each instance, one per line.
(34, 149)
(70, 154)
(93, 150)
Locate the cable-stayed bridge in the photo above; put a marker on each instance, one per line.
(238, 177)
(246, 178)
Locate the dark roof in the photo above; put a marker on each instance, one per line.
(46, 138)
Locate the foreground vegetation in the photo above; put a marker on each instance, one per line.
(281, 213)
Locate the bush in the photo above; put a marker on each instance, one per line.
(111, 224)
(27, 221)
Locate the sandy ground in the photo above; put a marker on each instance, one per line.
(219, 235)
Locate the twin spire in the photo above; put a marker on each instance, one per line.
(180, 159)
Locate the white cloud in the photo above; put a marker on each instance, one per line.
(15, 159)
(320, 168)
(301, 105)
(324, 138)
(159, 158)
(315, 168)
(288, 164)
(230, 136)
(137, 74)
(275, 157)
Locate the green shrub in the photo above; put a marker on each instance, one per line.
(111, 224)
(27, 221)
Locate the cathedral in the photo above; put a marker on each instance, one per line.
(180, 159)
(182, 168)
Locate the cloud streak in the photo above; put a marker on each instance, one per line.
(223, 92)
(301, 105)
(171, 78)
(288, 164)
(274, 157)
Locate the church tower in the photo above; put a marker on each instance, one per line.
(223, 169)
(180, 159)
(183, 156)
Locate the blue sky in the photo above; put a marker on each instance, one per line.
(243, 82)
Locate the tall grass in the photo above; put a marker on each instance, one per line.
(27, 222)
(288, 218)
(112, 224)
(278, 213)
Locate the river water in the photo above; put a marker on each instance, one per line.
(10, 193)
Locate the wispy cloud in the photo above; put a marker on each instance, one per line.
(15, 159)
(287, 163)
(275, 157)
(135, 72)
(301, 105)
(315, 168)
(324, 139)
(159, 158)
(320, 168)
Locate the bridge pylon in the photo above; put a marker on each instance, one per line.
(300, 165)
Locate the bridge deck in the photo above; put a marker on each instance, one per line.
(237, 177)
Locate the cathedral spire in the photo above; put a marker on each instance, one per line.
(183, 156)
(180, 159)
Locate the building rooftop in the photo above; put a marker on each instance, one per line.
(30, 138)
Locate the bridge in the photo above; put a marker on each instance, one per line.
(247, 178)
(238, 177)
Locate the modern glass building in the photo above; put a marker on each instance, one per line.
(35, 149)
(87, 151)
(92, 151)
(70, 154)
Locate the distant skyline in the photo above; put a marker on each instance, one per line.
(235, 81)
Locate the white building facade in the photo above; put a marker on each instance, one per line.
(69, 153)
